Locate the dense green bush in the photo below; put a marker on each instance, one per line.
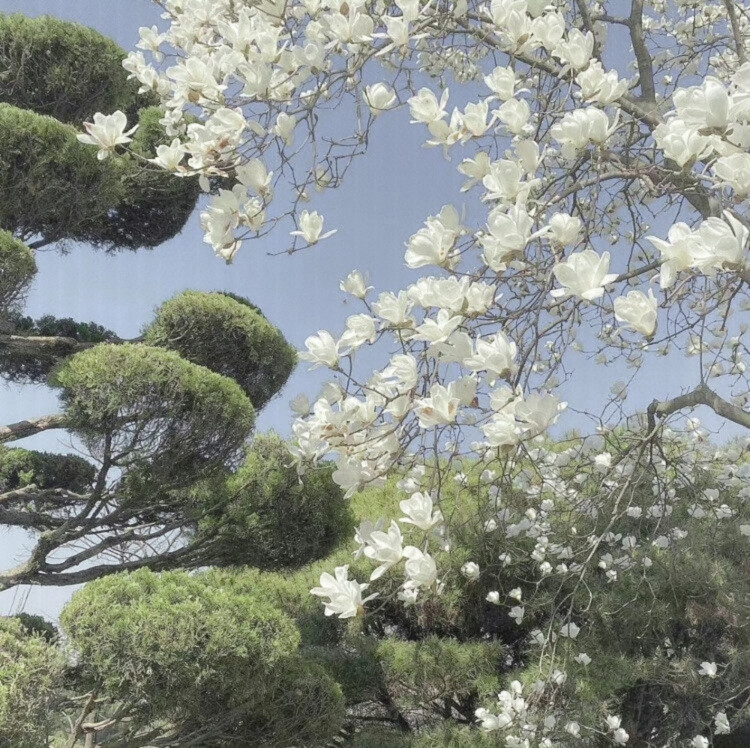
(23, 467)
(155, 204)
(271, 518)
(31, 671)
(51, 184)
(148, 410)
(227, 336)
(63, 70)
(200, 659)
(17, 270)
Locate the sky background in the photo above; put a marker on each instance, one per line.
(385, 198)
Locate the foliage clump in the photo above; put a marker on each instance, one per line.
(272, 518)
(63, 70)
(17, 270)
(31, 671)
(147, 409)
(200, 660)
(227, 336)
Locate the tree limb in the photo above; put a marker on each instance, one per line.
(701, 395)
(22, 429)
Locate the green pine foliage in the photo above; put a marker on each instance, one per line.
(272, 518)
(24, 467)
(31, 673)
(17, 270)
(149, 410)
(52, 185)
(63, 70)
(199, 659)
(228, 336)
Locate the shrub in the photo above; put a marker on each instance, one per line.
(227, 336)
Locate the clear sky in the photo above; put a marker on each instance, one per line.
(385, 198)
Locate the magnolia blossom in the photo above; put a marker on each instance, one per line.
(441, 407)
(708, 668)
(420, 569)
(471, 571)
(419, 512)
(496, 357)
(598, 86)
(734, 171)
(700, 742)
(583, 274)
(311, 227)
(579, 128)
(638, 311)
(677, 251)
(345, 595)
(570, 630)
(721, 724)
(426, 108)
(322, 350)
(107, 132)
(384, 547)
(576, 50)
(493, 597)
(355, 284)
(380, 97)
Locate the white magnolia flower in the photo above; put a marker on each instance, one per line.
(583, 274)
(300, 405)
(516, 613)
(345, 595)
(734, 171)
(493, 597)
(284, 127)
(638, 311)
(582, 659)
(708, 669)
(576, 51)
(496, 357)
(538, 412)
(722, 244)
(322, 350)
(613, 722)
(516, 593)
(598, 86)
(426, 108)
(441, 407)
(580, 127)
(620, 736)
(311, 227)
(419, 511)
(514, 114)
(169, 156)
(380, 97)
(721, 723)
(471, 571)
(699, 742)
(355, 284)
(678, 252)
(681, 142)
(107, 132)
(502, 82)
(420, 568)
(565, 229)
(384, 547)
(570, 630)
(360, 329)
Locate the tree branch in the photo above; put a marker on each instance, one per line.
(22, 429)
(32, 344)
(642, 56)
(739, 44)
(701, 395)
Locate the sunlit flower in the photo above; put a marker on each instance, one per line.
(107, 132)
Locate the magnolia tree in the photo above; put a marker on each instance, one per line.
(605, 155)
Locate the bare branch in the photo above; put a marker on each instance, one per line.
(22, 429)
(701, 395)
